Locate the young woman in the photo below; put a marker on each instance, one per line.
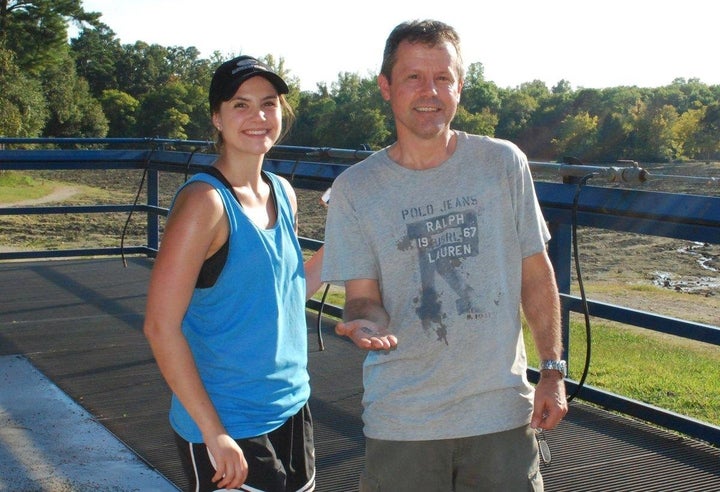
(226, 302)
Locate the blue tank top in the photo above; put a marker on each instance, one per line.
(248, 332)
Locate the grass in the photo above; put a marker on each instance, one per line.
(15, 187)
(660, 370)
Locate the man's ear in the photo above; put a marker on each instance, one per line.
(384, 85)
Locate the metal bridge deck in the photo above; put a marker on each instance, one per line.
(79, 322)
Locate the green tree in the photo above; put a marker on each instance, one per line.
(37, 30)
(654, 131)
(312, 108)
(612, 141)
(97, 54)
(537, 89)
(22, 106)
(684, 95)
(708, 136)
(577, 135)
(120, 108)
(620, 110)
(562, 87)
(686, 130)
(516, 113)
(199, 126)
(553, 107)
(164, 112)
(480, 123)
(350, 116)
(479, 94)
(142, 68)
(73, 110)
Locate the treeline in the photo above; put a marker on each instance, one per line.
(94, 86)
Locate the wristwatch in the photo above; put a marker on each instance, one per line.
(554, 365)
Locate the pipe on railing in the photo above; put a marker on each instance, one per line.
(617, 174)
(620, 174)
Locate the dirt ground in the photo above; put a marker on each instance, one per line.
(661, 275)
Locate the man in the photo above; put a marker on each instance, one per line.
(447, 405)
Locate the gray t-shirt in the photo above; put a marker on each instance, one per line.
(446, 245)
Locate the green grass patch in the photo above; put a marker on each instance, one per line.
(642, 288)
(664, 371)
(15, 187)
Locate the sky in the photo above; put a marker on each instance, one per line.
(588, 43)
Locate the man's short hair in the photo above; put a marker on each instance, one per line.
(429, 32)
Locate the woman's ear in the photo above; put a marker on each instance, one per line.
(216, 122)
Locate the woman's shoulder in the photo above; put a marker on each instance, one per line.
(200, 195)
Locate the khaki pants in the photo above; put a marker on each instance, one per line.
(503, 462)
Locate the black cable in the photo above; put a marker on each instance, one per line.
(583, 298)
(187, 164)
(137, 197)
(134, 205)
(321, 345)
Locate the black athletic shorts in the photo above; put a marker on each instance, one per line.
(280, 461)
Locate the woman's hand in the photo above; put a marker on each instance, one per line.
(231, 468)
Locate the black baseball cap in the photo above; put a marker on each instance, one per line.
(228, 77)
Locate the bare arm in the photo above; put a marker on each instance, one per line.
(365, 320)
(313, 269)
(313, 266)
(194, 231)
(541, 306)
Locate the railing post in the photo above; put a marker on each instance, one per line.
(153, 221)
(560, 252)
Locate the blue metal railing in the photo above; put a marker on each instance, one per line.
(681, 216)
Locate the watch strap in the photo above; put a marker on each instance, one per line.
(554, 365)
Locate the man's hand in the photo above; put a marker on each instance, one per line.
(367, 335)
(550, 404)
